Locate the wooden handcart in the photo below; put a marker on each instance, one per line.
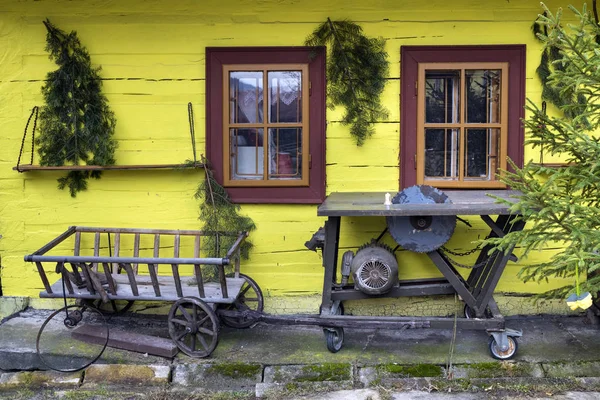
(136, 268)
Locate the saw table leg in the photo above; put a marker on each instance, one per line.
(330, 256)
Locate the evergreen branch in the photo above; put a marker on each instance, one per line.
(357, 67)
(562, 206)
(76, 124)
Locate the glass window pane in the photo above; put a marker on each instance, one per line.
(441, 153)
(247, 154)
(246, 97)
(285, 91)
(442, 96)
(285, 153)
(483, 95)
(482, 152)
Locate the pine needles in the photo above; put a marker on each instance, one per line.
(562, 206)
(357, 68)
(76, 123)
(220, 215)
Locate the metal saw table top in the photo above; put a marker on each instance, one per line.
(464, 202)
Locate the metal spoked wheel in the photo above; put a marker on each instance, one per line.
(112, 307)
(250, 298)
(507, 354)
(334, 337)
(194, 327)
(58, 343)
(470, 314)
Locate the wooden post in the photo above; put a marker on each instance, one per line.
(96, 249)
(136, 250)
(115, 266)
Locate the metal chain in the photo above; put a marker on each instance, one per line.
(447, 251)
(34, 111)
(466, 253)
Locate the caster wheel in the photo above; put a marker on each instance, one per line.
(470, 314)
(194, 327)
(334, 337)
(507, 354)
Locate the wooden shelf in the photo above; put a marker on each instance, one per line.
(553, 165)
(29, 167)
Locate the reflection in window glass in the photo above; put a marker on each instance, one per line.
(247, 154)
(442, 96)
(285, 96)
(441, 153)
(246, 97)
(285, 153)
(483, 95)
(482, 149)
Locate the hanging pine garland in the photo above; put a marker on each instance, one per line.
(357, 68)
(564, 97)
(76, 123)
(219, 214)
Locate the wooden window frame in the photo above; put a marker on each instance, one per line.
(216, 58)
(412, 56)
(266, 125)
(462, 180)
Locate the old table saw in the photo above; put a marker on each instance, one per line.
(407, 217)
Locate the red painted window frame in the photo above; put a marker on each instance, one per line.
(216, 57)
(411, 56)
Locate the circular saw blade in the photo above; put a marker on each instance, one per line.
(421, 234)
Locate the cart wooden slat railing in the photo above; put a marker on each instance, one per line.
(119, 276)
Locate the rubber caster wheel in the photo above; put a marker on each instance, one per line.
(470, 314)
(509, 353)
(334, 337)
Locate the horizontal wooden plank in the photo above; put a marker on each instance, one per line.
(29, 167)
(463, 202)
(127, 341)
(168, 292)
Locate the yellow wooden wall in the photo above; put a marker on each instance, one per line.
(152, 56)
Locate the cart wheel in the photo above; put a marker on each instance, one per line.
(194, 327)
(334, 337)
(250, 298)
(112, 307)
(470, 314)
(509, 353)
(57, 343)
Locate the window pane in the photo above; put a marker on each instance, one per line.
(482, 151)
(441, 153)
(285, 153)
(246, 97)
(285, 91)
(483, 95)
(247, 154)
(442, 96)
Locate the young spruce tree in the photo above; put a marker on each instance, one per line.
(76, 123)
(562, 206)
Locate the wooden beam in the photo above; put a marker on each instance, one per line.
(29, 167)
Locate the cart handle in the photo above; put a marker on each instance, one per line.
(236, 245)
(135, 260)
